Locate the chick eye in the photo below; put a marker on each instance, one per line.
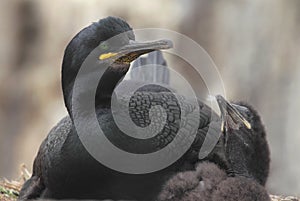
(104, 46)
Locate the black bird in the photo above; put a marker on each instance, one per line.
(63, 168)
(247, 154)
(246, 146)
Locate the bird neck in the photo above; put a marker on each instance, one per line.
(238, 156)
(108, 81)
(106, 86)
(67, 93)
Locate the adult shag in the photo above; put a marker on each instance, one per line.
(63, 169)
(247, 155)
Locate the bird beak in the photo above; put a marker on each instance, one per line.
(134, 49)
(231, 117)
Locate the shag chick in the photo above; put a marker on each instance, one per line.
(247, 155)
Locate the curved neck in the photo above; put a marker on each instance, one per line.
(104, 91)
(106, 86)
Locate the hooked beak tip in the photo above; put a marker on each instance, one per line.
(230, 115)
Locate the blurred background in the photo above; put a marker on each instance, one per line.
(255, 45)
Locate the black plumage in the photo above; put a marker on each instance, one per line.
(247, 155)
(63, 169)
(246, 146)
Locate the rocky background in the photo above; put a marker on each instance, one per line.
(255, 45)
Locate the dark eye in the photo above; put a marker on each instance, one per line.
(104, 46)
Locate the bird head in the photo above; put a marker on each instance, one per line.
(111, 44)
(246, 147)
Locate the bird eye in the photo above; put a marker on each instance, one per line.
(104, 46)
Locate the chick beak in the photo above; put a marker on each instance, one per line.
(231, 117)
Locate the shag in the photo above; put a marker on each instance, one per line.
(64, 169)
(247, 155)
(246, 146)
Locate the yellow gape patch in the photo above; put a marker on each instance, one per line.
(247, 124)
(107, 55)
